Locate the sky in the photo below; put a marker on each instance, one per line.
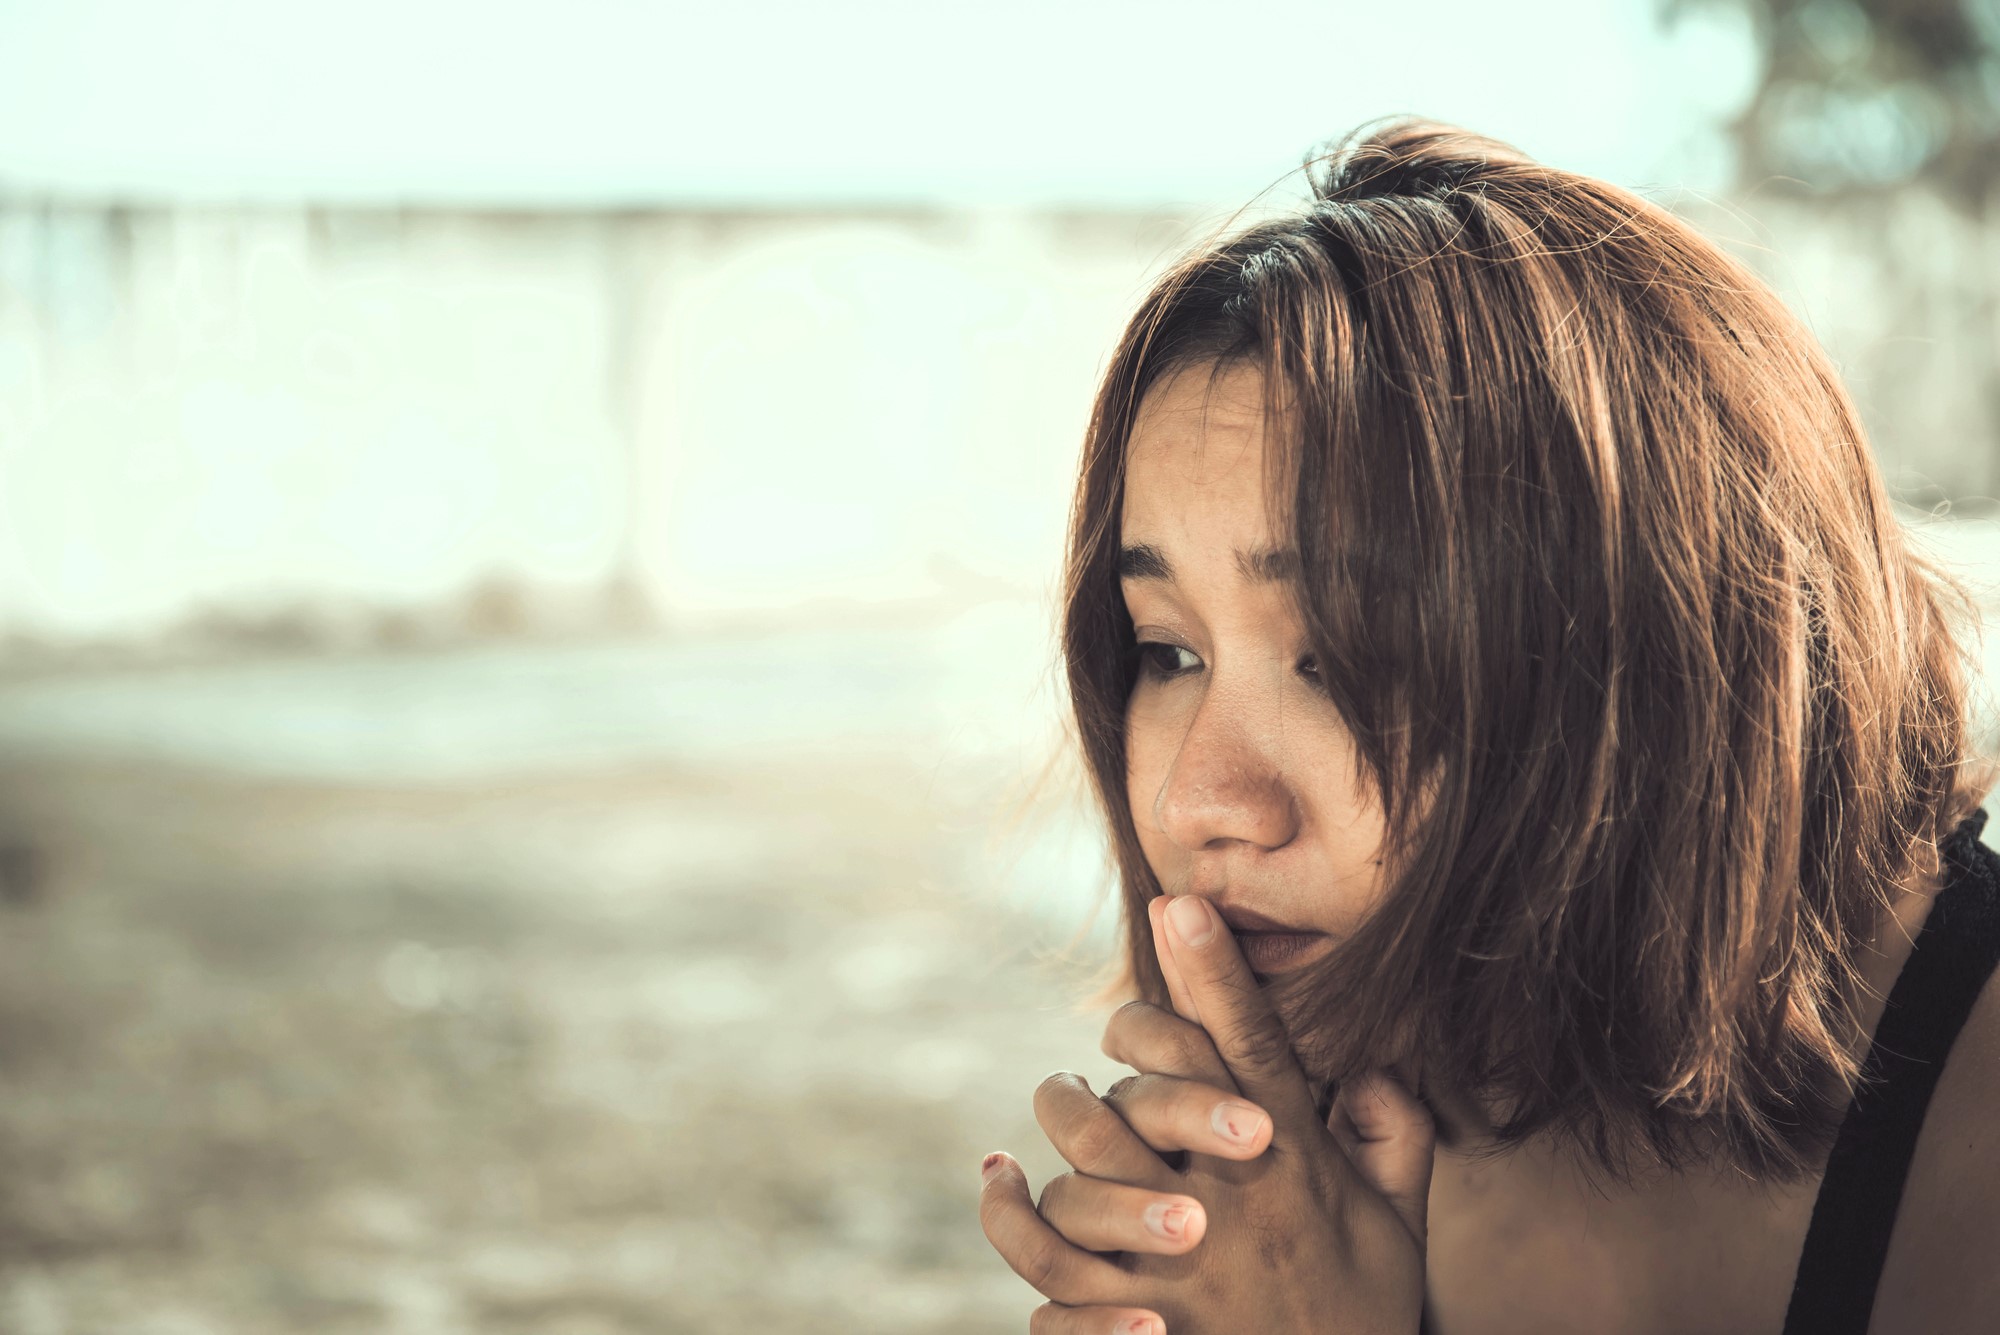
(1032, 103)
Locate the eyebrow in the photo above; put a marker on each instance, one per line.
(1271, 566)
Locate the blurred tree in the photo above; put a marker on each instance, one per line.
(1870, 141)
(1860, 97)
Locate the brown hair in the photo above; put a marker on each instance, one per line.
(1597, 567)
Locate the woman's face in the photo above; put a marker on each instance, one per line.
(1242, 777)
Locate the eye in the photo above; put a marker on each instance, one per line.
(1309, 669)
(1161, 660)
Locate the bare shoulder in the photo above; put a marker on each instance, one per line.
(1941, 1275)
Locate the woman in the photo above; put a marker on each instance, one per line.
(1531, 752)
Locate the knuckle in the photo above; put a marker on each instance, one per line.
(1095, 1137)
(1270, 1051)
(1056, 1086)
(1046, 1320)
(1191, 1053)
(1056, 1099)
(1124, 1031)
(1192, 1101)
(1084, 1129)
(1159, 1042)
(1273, 1234)
(1050, 1204)
(1132, 1013)
(1264, 1047)
(1042, 1265)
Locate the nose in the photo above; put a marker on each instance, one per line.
(1225, 784)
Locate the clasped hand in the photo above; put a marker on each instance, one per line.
(1207, 1197)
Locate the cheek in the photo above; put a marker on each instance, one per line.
(1364, 884)
(1149, 752)
(1344, 821)
(1328, 769)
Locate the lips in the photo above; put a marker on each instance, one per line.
(1268, 945)
(1247, 922)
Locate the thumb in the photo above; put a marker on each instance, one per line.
(1390, 1137)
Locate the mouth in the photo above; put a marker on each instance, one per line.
(1268, 945)
(1274, 952)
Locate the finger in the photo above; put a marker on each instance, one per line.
(1393, 1143)
(1248, 1034)
(1177, 989)
(1090, 1135)
(1055, 1319)
(1102, 1216)
(1028, 1243)
(1170, 1114)
(1158, 1042)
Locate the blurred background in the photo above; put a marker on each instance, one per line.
(531, 794)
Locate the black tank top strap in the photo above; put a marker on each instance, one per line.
(1956, 951)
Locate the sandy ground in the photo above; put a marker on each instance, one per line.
(699, 1022)
(647, 1051)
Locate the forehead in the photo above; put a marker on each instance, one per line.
(1196, 457)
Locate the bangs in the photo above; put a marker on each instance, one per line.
(1438, 463)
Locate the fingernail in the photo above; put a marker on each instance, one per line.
(991, 1166)
(1168, 1220)
(1191, 920)
(1237, 1122)
(1138, 1325)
